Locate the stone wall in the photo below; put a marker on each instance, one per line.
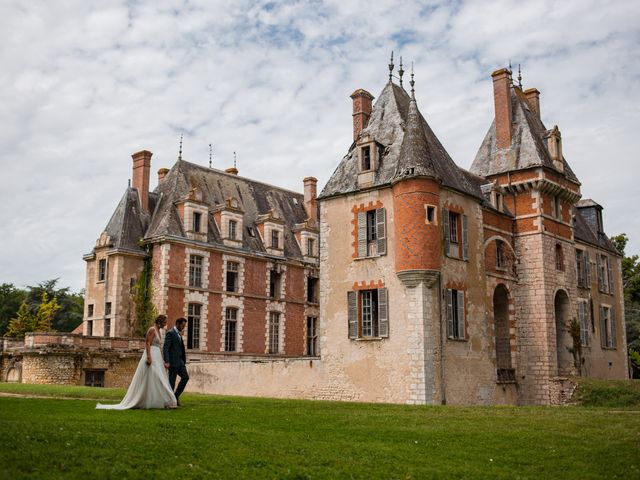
(58, 358)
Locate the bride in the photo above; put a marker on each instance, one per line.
(150, 384)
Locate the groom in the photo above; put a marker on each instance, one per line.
(175, 357)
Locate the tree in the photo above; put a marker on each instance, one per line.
(46, 313)
(22, 323)
(11, 298)
(71, 310)
(631, 285)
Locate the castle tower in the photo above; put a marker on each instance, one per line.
(525, 159)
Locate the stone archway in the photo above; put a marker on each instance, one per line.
(502, 334)
(563, 339)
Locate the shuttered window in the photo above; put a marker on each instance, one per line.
(455, 314)
(372, 233)
(609, 275)
(368, 313)
(583, 318)
(456, 234)
(608, 328)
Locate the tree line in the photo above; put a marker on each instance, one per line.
(40, 308)
(631, 287)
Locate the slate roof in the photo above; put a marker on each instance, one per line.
(128, 222)
(254, 198)
(407, 140)
(586, 231)
(528, 147)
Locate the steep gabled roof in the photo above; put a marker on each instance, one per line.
(128, 223)
(582, 231)
(407, 141)
(254, 199)
(528, 148)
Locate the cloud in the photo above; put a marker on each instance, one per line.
(85, 85)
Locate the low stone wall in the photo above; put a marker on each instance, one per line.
(276, 378)
(561, 390)
(63, 358)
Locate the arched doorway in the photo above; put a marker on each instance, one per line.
(563, 339)
(503, 335)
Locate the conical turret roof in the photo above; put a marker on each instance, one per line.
(405, 141)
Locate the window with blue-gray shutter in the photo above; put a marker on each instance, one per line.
(465, 238)
(460, 319)
(383, 313)
(614, 330)
(362, 234)
(609, 275)
(381, 229)
(445, 229)
(352, 309)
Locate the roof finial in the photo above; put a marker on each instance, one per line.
(210, 154)
(519, 77)
(391, 66)
(412, 83)
(180, 151)
(401, 71)
(234, 160)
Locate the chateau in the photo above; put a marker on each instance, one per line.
(407, 280)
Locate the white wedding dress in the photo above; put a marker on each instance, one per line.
(150, 384)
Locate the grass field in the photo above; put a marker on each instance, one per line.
(227, 437)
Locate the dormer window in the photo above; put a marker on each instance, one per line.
(232, 229)
(366, 158)
(197, 220)
(310, 247)
(275, 239)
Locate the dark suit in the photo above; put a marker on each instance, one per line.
(174, 354)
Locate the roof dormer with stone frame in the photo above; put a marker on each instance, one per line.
(229, 218)
(272, 231)
(194, 213)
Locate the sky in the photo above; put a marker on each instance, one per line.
(83, 85)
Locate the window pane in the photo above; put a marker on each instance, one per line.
(274, 332)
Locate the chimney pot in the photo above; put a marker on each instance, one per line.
(533, 99)
(502, 102)
(362, 108)
(310, 199)
(141, 170)
(161, 174)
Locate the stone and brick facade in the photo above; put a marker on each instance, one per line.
(407, 280)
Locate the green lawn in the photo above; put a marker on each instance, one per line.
(227, 437)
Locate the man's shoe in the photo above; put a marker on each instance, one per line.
(178, 403)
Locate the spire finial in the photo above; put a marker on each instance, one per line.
(412, 83)
(210, 154)
(519, 77)
(234, 160)
(401, 71)
(180, 151)
(391, 66)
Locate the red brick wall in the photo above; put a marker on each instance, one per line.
(295, 329)
(176, 264)
(417, 244)
(254, 326)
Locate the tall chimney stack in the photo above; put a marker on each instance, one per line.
(502, 101)
(533, 99)
(310, 201)
(141, 169)
(361, 110)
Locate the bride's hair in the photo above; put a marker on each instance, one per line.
(161, 319)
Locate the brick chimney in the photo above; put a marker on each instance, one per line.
(161, 174)
(361, 110)
(141, 169)
(502, 101)
(533, 99)
(310, 202)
